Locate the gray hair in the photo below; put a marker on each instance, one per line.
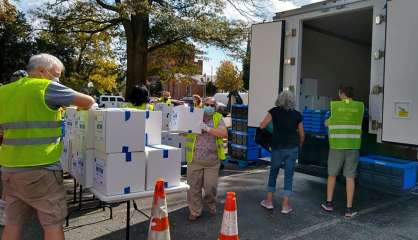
(286, 100)
(44, 60)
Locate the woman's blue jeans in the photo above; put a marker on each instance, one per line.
(283, 158)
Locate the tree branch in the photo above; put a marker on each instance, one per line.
(166, 43)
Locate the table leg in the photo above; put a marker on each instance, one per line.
(80, 196)
(128, 218)
(75, 191)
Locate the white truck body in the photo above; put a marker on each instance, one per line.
(370, 45)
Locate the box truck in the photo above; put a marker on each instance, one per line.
(370, 45)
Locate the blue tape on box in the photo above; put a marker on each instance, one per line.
(128, 156)
(146, 139)
(125, 149)
(146, 114)
(127, 190)
(191, 109)
(165, 153)
(165, 184)
(190, 131)
(127, 115)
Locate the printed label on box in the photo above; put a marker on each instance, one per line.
(100, 175)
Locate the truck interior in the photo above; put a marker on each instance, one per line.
(336, 50)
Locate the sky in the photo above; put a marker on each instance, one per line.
(214, 56)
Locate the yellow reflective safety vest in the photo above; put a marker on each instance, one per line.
(345, 123)
(192, 138)
(161, 100)
(32, 131)
(144, 106)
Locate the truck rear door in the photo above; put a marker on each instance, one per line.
(266, 49)
(400, 104)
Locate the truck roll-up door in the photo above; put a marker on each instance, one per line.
(266, 47)
(400, 108)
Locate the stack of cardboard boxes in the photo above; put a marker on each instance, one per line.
(309, 96)
(119, 151)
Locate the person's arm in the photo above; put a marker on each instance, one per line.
(301, 132)
(83, 101)
(266, 121)
(221, 132)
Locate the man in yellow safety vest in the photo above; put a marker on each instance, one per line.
(31, 122)
(344, 130)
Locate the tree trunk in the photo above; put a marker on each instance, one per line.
(137, 50)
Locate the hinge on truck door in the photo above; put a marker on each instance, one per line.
(377, 89)
(376, 125)
(291, 33)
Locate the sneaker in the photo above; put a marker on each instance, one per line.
(287, 210)
(267, 205)
(349, 213)
(327, 206)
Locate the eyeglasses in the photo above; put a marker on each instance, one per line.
(209, 105)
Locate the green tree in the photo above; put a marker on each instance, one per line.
(149, 25)
(175, 62)
(228, 78)
(15, 44)
(88, 57)
(246, 66)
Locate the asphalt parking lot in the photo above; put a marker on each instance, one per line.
(381, 216)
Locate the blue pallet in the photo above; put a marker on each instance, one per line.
(241, 152)
(239, 125)
(239, 111)
(264, 153)
(387, 172)
(243, 138)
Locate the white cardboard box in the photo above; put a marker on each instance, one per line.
(187, 119)
(163, 162)
(85, 128)
(309, 86)
(120, 130)
(153, 126)
(178, 141)
(66, 155)
(119, 173)
(70, 122)
(167, 112)
(85, 167)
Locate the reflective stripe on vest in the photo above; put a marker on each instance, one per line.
(32, 131)
(24, 125)
(345, 124)
(30, 141)
(190, 144)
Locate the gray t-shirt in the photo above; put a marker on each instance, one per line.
(56, 96)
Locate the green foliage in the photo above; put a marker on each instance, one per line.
(174, 62)
(15, 44)
(148, 26)
(246, 67)
(228, 78)
(88, 57)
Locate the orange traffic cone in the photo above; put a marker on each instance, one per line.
(229, 229)
(159, 228)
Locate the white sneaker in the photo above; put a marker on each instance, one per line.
(287, 210)
(267, 205)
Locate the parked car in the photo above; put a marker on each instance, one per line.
(109, 101)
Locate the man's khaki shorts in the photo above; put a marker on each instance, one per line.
(40, 191)
(347, 160)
